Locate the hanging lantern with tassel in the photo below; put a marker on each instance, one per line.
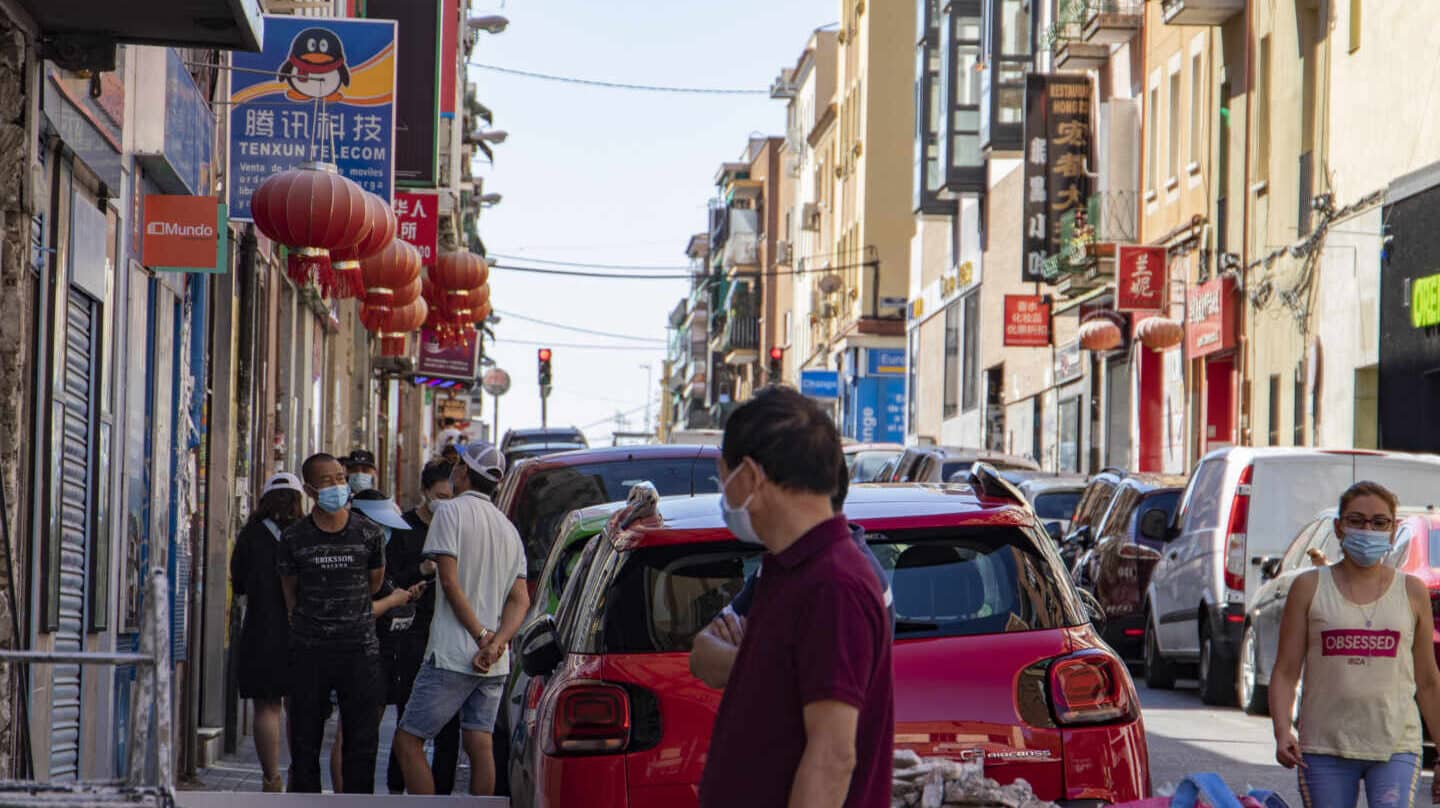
(1159, 333)
(349, 279)
(395, 267)
(399, 322)
(455, 274)
(311, 210)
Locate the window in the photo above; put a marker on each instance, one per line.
(1354, 25)
(928, 109)
(960, 144)
(1172, 164)
(663, 596)
(1300, 406)
(1197, 107)
(1200, 509)
(1057, 506)
(1275, 410)
(972, 352)
(1262, 111)
(1152, 138)
(1007, 52)
(1069, 461)
(952, 360)
(785, 334)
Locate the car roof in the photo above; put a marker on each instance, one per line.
(1403, 512)
(696, 519)
(620, 454)
(1045, 485)
(1263, 452)
(1152, 481)
(856, 448)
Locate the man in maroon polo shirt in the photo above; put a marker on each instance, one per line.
(808, 715)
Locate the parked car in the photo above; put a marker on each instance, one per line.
(992, 646)
(519, 444)
(936, 464)
(1202, 586)
(1117, 568)
(1085, 523)
(537, 494)
(866, 460)
(1417, 552)
(1053, 497)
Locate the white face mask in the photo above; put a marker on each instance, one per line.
(738, 519)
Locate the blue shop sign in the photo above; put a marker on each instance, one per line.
(886, 361)
(878, 414)
(177, 149)
(820, 383)
(321, 89)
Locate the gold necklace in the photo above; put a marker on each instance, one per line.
(1374, 604)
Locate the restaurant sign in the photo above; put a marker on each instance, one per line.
(1058, 137)
(1140, 285)
(1210, 318)
(1425, 302)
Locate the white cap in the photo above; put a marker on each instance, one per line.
(484, 459)
(284, 481)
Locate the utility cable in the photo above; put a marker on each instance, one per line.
(589, 265)
(638, 276)
(578, 329)
(616, 85)
(578, 345)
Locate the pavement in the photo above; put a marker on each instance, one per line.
(242, 772)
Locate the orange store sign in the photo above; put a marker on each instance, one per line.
(185, 233)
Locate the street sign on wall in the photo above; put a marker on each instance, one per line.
(320, 89)
(1058, 135)
(820, 383)
(184, 233)
(1027, 321)
(447, 361)
(1140, 278)
(418, 215)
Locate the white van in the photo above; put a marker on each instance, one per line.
(1240, 506)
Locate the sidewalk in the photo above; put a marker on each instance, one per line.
(241, 771)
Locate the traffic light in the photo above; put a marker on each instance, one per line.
(544, 355)
(777, 363)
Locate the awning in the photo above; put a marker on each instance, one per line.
(224, 24)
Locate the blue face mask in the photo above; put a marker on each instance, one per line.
(333, 499)
(361, 482)
(387, 533)
(1365, 547)
(737, 520)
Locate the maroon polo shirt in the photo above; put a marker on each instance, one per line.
(817, 631)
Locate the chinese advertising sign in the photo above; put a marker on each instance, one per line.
(447, 362)
(322, 89)
(1141, 278)
(1027, 321)
(1210, 318)
(418, 216)
(417, 113)
(1058, 136)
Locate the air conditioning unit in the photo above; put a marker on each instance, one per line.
(810, 217)
(783, 253)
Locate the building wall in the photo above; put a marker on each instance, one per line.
(1348, 329)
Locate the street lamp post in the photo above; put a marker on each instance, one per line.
(649, 380)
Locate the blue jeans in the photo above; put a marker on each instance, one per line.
(1334, 782)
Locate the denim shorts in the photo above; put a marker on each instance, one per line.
(1334, 782)
(439, 694)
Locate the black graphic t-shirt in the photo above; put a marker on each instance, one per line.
(332, 596)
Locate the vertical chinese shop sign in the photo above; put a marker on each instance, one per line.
(1140, 278)
(1058, 137)
(418, 218)
(1027, 321)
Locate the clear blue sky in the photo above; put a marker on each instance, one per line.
(614, 177)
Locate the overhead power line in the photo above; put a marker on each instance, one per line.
(674, 276)
(616, 85)
(588, 264)
(579, 345)
(579, 330)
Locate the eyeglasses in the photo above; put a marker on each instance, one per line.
(1359, 521)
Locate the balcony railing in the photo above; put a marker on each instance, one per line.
(1200, 12)
(740, 341)
(1112, 22)
(1113, 216)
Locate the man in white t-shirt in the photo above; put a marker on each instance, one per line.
(483, 601)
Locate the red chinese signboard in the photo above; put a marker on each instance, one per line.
(1027, 321)
(419, 219)
(1141, 278)
(1210, 318)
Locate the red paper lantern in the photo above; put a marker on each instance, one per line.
(1100, 335)
(1159, 333)
(455, 274)
(407, 294)
(395, 267)
(350, 281)
(311, 210)
(396, 324)
(480, 308)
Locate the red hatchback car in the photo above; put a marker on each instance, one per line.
(994, 655)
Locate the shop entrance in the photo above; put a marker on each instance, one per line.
(1219, 402)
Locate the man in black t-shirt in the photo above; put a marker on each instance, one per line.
(330, 563)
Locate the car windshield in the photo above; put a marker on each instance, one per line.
(552, 493)
(1057, 505)
(866, 466)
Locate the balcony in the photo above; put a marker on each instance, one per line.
(1200, 12)
(739, 341)
(1113, 22)
(83, 33)
(1075, 55)
(1113, 215)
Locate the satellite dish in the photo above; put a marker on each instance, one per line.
(830, 284)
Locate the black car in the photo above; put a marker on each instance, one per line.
(1085, 523)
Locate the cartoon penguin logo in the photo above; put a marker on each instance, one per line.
(315, 68)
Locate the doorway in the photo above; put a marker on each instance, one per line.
(1117, 413)
(1219, 402)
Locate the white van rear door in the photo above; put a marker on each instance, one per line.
(1285, 494)
(1415, 480)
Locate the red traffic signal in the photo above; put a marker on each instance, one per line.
(777, 353)
(544, 354)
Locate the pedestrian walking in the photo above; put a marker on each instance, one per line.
(331, 563)
(361, 471)
(452, 434)
(713, 652)
(263, 653)
(808, 712)
(483, 600)
(407, 564)
(1362, 633)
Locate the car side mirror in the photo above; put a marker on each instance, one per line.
(1155, 525)
(1269, 568)
(540, 652)
(1056, 531)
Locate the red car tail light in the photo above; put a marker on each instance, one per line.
(587, 718)
(1091, 687)
(1235, 534)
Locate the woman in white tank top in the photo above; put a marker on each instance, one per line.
(1362, 633)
